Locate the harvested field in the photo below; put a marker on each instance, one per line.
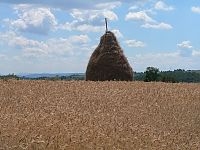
(99, 115)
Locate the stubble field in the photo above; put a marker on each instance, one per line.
(99, 115)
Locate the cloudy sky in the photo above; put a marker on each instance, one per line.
(60, 35)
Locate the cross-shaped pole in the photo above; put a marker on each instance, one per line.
(106, 25)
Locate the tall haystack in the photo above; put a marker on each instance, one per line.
(108, 61)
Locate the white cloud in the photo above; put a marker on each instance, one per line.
(134, 43)
(117, 33)
(185, 49)
(22, 7)
(133, 7)
(3, 57)
(79, 39)
(34, 51)
(195, 9)
(160, 5)
(35, 20)
(196, 53)
(52, 47)
(79, 4)
(41, 20)
(80, 26)
(140, 15)
(185, 44)
(108, 5)
(67, 54)
(89, 28)
(110, 15)
(161, 25)
(147, 20)
(13, 40)
(93, 16)
(164, 61)
(89, 20)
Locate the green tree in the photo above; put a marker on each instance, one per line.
(151, 74)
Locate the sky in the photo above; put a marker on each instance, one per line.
(59, 36)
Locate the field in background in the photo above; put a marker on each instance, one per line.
(99, 115)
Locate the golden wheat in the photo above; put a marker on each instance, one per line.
(99, 115)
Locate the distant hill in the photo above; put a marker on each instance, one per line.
(49, 75)
(196, 71)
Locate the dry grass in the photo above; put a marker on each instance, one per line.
(99, 115)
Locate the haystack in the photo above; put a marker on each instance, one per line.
(108, 61)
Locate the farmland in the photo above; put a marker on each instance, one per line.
(99, 115)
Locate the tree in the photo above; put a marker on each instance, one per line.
(168, 78)
(151, 74)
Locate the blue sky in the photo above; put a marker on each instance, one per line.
(59, 35)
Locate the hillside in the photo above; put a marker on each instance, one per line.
(98, 115)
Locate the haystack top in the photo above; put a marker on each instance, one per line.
(109, 39)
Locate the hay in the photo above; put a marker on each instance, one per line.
(108, 61)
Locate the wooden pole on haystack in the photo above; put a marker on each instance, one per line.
(106, 25)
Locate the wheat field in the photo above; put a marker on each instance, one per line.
(39, 115)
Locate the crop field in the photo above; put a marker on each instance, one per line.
(99, 115)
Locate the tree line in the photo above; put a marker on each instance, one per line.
(176, 76)
(151, 74)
